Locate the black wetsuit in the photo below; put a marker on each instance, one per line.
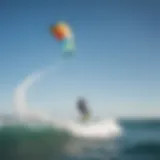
(82, 106)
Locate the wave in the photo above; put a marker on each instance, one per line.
(38, 142)
(150, 147)
(144, 123)
(40, 136)
(41, 141)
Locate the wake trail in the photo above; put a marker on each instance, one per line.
(20, 94)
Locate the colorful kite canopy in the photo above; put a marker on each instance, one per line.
(63, 33)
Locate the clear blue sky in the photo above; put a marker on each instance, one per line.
(117, 62)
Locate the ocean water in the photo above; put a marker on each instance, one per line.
(140, 140)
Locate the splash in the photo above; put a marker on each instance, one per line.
(21, 90)
(106, 128)
(20, 101)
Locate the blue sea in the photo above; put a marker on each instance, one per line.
(140, 141)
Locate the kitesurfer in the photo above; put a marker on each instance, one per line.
(83, 109)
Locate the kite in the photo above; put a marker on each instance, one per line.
(63, 34)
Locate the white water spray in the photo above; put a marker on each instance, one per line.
(21, 90)
(20, 100)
